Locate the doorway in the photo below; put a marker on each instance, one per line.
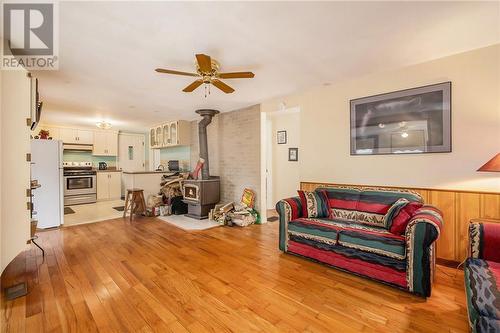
(280, 169)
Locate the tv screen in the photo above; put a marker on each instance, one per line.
(409, 121)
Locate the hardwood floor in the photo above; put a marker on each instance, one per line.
(148, 276)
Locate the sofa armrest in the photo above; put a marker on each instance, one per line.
(484, 241)
(421, 232)
(288, 210)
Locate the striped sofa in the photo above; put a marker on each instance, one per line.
(482, 277)
(357, 236)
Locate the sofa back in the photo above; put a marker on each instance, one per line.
(365, 205)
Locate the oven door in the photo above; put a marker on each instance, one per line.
(76, 185)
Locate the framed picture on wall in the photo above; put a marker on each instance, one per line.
(281, 137)
(293, 154)
(411, 121)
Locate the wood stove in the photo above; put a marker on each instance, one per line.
(201, 195)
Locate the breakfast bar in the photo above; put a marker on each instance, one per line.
(149, 181)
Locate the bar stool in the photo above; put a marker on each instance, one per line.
(134, 202)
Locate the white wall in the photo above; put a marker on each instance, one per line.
(15, 171)
(324, 126)
(285, 174)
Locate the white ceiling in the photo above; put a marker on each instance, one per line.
(109, 50)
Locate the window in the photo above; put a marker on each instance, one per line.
(130, 153)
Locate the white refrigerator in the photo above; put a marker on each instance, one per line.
(47, 168)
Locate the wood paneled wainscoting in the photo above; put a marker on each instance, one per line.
(458, 208)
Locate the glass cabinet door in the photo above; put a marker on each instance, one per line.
(152, 136)
(173, 133)
(166, 138)
(159, 136)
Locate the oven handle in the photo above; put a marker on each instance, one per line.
(83, 176)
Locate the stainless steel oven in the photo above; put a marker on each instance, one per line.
(79, 187)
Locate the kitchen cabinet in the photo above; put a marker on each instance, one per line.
(180, 133)
(152, 137)
(76, 136)
(174, 133)
(159, 136)
(105, 143)
(108, 185)
(166, 134)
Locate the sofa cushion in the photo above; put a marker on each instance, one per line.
(350, 234)
(314, 204)
(374, 204)
(342, 200)
(393, 211)
(366, 206)
(397, 224)
(486, 325)
(482, 286)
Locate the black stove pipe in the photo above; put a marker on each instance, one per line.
(207, 115)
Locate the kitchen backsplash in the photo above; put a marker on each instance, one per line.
(180, 153)
(85, 156)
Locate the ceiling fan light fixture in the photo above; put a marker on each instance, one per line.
(207, 71)
(103, 125)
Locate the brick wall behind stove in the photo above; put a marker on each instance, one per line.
(234, 151)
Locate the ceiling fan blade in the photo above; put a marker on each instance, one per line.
(237, 75)
(169, 71)
(222, 86)
(204, 62)
(193, 86)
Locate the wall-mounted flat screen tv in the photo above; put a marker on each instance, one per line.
(409, 121)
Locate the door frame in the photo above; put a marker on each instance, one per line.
(267, 136)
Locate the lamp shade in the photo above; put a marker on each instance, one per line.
(492, 165)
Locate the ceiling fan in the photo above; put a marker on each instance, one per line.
(207, 71)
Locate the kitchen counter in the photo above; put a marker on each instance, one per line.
(149, 181)
(109, 170)
(147, 172)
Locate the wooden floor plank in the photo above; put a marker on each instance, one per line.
(149, 276)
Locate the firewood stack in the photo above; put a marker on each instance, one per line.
(172, 187)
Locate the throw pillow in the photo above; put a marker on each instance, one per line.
(393, 211)
(314, 204)
(400, 220)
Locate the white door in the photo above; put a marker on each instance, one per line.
(102, 185)
(115, 185)
(131, 152)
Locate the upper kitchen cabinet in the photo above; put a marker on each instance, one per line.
(105, 143)
(76, 136)
(180, 133)
(159, 136)
(174, 133)
(166, 134)
(152, 137)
